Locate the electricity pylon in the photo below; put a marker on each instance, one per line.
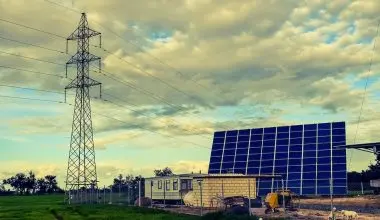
(81, 169)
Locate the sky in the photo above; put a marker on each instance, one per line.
(183, 70)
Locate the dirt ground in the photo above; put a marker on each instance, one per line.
(312, 214)
(301, 214)
(360, 201)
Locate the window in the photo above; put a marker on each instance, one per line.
(175, 184)
(167, 185)
(160, 184)
(183, 184)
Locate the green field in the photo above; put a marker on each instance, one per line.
(52, 207)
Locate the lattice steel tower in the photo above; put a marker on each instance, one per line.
(81, 170)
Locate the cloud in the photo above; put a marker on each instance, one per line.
(279, 58)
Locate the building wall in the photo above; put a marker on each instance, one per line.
(212, 188)
(160, 194)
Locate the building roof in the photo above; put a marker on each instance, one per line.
(232, 175)
(176, 175)
(227, 175)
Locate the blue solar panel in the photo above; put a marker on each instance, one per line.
(306, 156)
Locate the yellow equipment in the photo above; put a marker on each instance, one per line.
(276, 200)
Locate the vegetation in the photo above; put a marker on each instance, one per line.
(51, 207)
(29, 184)
(372, 172)
(164, 172)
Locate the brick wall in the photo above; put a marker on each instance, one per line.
(222, 187)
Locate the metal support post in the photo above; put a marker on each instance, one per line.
(249, 196)
(283, 194)
(151, 193)
(200, 189)
(104, 194)
(139, 193)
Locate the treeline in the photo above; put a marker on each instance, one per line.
(25, 184)
(371, 173)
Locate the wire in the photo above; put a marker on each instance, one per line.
(159, 98)
(33, 99)
(50, 91)
(150, 94)
(138, 46)
(171, 120)
(21, 25)
(106, 116)
(31, 58)
(151, 75)
(31, 71)
(38, 90)
(54, 50)
(166, 135)
(365, 88)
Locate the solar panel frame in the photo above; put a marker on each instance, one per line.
(305, 155)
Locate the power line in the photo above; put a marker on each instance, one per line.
(150, 94)
(31, 58)
(138, 46)
(32, 28)
(365, 87)
(171, 120)
(31, 89)
(151, 75)
(159, 98)
(150, 130)
(32, 71)
(34, 45)
(33, 99)
(106, 116)
(129, 84)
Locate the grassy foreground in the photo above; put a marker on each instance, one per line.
(51, 207)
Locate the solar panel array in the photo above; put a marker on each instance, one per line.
(306, 156)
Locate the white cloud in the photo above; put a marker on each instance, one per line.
(246, 52)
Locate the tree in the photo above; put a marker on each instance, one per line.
(165, 172)
(2, 188)
(30, 182)
(51, 183)
(41, 185)
(17, 182)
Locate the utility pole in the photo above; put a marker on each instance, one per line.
(81, 169)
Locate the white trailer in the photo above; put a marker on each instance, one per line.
(169, 189)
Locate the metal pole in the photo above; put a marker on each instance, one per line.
(249, 196)
(151, 193)
(361, 183)
(97, 195)
(222, 189)
(331, 192)
(69, 197)
(104, 194)
(139, 193)
(129, 195)
(111, 195)
(164, 193)
(283, 193)
(200, 187)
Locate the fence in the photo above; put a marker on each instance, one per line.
(115, 195)
(360, 188)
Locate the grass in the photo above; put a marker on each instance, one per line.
(52, 207)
